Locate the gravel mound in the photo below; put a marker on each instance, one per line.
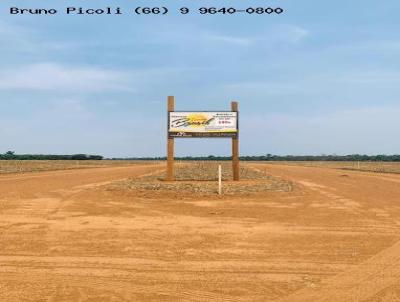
(201, 178)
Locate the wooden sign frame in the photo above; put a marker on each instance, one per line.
(171, 142)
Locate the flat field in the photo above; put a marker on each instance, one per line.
(21, 166)
(121, 233)
(379, 167)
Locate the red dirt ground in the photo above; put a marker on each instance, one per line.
(72, 236)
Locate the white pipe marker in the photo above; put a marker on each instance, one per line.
(219, 180)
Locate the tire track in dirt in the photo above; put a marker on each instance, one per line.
(72, 237)
(373, 280)
(33, 184)
(376, 279)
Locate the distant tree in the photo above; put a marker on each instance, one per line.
(95, 157)
(9, 155)
(79, 157)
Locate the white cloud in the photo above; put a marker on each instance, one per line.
(363, 47)
(6, 29)
(194, 35)
(296, 33)
(273, 35)
(20, 39)
(51, 76)
(372, 77)
(15, 37)
(371, 129)
(335, 85)
(284, 34)
(231, 40)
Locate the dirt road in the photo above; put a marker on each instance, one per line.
(376, 197)
(72, 236)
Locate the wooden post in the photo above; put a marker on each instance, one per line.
(170, 144)
(235, 147)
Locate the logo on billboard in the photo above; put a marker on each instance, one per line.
(191, 120)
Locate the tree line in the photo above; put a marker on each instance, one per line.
(10, 155)
(270, 157)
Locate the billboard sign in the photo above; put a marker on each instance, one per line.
(203, 124)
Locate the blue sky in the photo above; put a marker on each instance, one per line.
(322, 78)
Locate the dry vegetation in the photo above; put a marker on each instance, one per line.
(379, 167)
(20, 166)
(201, 178)
(206, 170)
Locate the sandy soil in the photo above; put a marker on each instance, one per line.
(74, 236)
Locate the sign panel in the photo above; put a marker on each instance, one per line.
(203, 124)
